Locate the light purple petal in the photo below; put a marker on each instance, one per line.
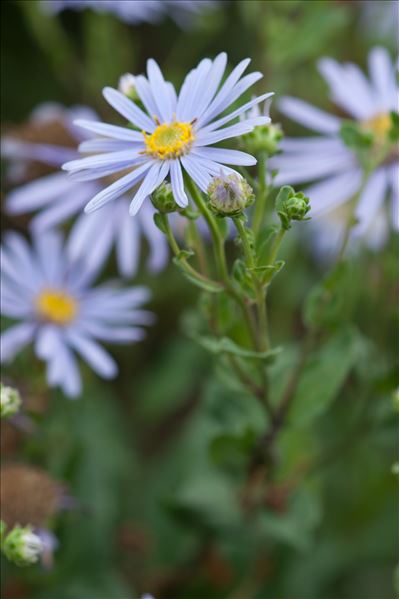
(118, 188)
(99, 360)
(309, 116)
(176, 179)
(333, 192)
(121, 133)
(382, 74)
(38, 193)
(225, 156)
(371, 200)
(152, 180)
(14, 339)
(128, 109)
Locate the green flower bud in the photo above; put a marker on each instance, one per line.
(265, 138)
(10, 401)
(229, 195)
(127, 85)
(22, 547)
(163, 199)
(291, 205)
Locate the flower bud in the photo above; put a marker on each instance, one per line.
(10, 401)
(291, 205)
(127, 85)
(163, 199)
(22, 546)
(229, 195)
(264, 138)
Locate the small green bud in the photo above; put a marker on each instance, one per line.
(265, 138)
(163, 199)
(10, 401)
(229, 195)
(291, 205)
(127, 85)
(22, 547)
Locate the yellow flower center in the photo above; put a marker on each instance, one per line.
(379, 125)
(56, 306)
(169, 140)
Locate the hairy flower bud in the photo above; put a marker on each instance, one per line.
(127, 85)
(10, 401)
(291, 205)
(22, 546)
(229, 195)
(163, 199)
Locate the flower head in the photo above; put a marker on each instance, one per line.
(51, 295)
(172, 135)
(57, 197)
(331, 162)
(10, 401)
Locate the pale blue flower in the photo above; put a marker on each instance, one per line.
(61, 313)
(172, 135)
(327, 160)
(57, 197)
(137, 11)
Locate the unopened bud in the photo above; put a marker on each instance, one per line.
(229, 195)
(10, 401)
(127, 85)
(291, 205)
(163, 199)
(22, 546)
(265, 138)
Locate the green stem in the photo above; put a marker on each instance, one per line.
(260, 205)
(249, 258)
(276, 245)
(177, 251)
(218, 241)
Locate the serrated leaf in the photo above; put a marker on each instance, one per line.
(228, 346)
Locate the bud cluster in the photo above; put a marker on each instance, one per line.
(291, 205)
(163, 199)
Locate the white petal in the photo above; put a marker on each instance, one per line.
(122, 133)
(371, 200)
(93, 354)
(225, 156)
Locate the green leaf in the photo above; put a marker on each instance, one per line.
(202, 283)
(324, 376)
(228, 346)
(159, 222)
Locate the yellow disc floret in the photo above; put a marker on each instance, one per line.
(379, 125)
(56, 306)
(169, 140)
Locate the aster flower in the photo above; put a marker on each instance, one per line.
(173, 135)
(49, 139)
(327, 160)
(58, 310)
(137, 11)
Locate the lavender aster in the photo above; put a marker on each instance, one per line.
(327, 160)
(173, 135)
(56, 197)
(136, 11)
(60, 312)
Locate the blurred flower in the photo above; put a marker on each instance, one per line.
(380, 19)
(29, 496)
(10, 401)
(22, 546)
(327, 159)
(137, 11)
(176, 134)
(127, 86)
(51, 294)
(58, 197)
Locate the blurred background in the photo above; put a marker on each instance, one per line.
(150, 460)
